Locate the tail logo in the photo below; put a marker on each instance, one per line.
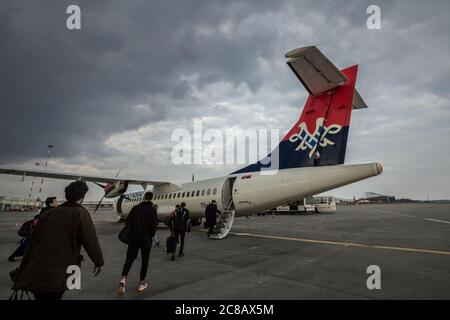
(317, 138)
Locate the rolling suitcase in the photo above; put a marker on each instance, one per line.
(171, 245)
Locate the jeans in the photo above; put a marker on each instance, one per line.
(144, 244)
(20, 249)
(179, 235)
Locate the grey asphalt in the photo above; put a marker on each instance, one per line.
(316, 256)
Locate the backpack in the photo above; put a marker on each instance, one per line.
(26, 228)
(179, 222)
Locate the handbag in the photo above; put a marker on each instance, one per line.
(124, 234)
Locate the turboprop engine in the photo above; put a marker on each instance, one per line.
(112, 190)
(115, 190)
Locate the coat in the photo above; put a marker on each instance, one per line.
(211, 215)
(54, 245)
(180, 220)
(143, 219)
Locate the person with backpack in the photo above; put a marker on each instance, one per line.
(27, 228)
(142, 221)
(180, 222)
(55, 245)
(211, 217)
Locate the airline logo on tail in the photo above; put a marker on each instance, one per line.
(311, 141)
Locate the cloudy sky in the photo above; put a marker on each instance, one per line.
(109, 96)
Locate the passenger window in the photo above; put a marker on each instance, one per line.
(187, 194)
(170, 196)
(165, 197)
(198, 193)
(214, 191)
(193, 193)
(209, 192)
(203, 192)
(182, 195)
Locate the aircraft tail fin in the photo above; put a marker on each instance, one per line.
(319, 137)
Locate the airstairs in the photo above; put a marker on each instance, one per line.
(226, 218)
(224, 224)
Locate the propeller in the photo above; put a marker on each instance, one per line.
(103, 197)
(107, 188)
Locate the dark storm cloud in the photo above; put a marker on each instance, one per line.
(76, 87)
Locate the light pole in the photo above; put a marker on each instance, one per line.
(49, 149)
(32, 185)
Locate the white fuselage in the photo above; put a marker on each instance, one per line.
(253, 192)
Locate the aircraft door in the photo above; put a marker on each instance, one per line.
(227, 194)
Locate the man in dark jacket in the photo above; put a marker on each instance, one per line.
(55, 244)
(180, 222)
(143, 221)
(50, 203)
(211, 216)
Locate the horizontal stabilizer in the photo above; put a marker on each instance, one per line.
(358, 102)
(317, 74)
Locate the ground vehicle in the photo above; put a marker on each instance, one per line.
(308, 205)
(326, 204)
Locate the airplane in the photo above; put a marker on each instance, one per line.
(310, 156)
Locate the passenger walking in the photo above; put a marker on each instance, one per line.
(27, 228)
(50, 203)
(180, 222)
(143, 222)
(55, 244)
(211, 217)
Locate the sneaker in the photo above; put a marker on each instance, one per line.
(181, 254)
(121, 290)
(142, 285)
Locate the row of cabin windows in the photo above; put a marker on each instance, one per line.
(137, 199)
(186, 194)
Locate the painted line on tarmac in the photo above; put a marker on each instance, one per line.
(345, 244)
(394, 212)
(436, 220)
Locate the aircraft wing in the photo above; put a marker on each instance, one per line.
(70, 176)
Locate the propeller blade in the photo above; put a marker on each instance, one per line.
(100, 185)
(98, 204)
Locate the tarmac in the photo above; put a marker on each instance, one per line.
(314, 256)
